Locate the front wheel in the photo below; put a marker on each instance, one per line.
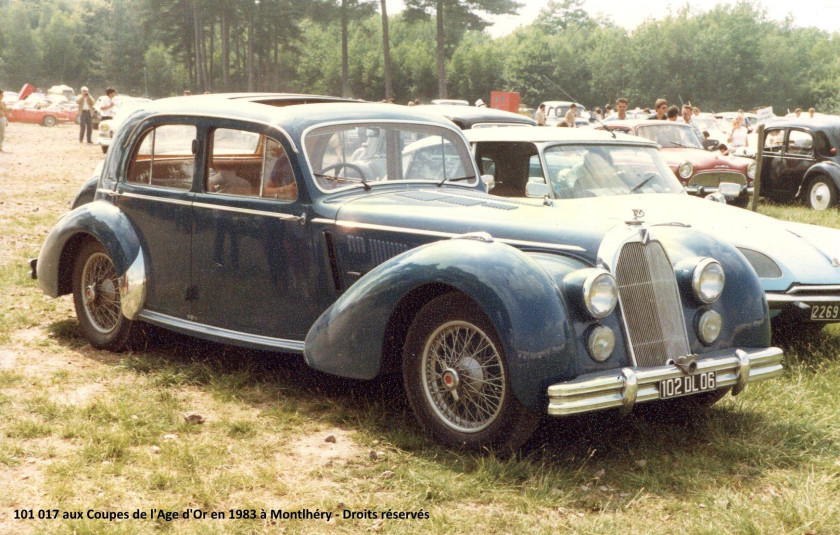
(821, 193)
(457, 379)
(96, 296)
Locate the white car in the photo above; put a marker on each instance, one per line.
(108, 127)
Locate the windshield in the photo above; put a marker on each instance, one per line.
(670, 135)
(705, 123)
(576, 171)
(347, 155)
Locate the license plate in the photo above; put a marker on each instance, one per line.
(827, 312)
(689, 384)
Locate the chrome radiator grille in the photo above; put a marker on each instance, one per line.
(650, 303)
(712, 179)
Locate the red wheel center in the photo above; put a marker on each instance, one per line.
(450, 379)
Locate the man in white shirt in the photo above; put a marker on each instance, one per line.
(571, 115)
(107, 106)
(85, 103)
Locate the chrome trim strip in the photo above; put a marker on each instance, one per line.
(107, 191)
(775, 300)
(249, 211)
(439, 234)
(219, 332)
(812, 287)
(133, 287)
(155, 198)
(615, 388)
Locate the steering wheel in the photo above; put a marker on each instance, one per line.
(364, 174)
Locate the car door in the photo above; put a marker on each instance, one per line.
(155, 192)
(787, 169)
(252, 256)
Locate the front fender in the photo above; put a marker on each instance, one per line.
(829, 169)
(100, 221)
(514, 291)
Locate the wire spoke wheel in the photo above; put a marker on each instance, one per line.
(100, 294)
(463, 376)
(96, 296)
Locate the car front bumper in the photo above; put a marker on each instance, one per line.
(624, 388)
(796, 304)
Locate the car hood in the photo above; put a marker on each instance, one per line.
(806, 254)
(703, 159)
(449, 211)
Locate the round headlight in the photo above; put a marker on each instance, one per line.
(685, 170)
(600, 343)
(600, 293)
(104, 127)
(751, 170)
(708, 327)
(708, 280)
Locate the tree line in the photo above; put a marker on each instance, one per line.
(729, 57)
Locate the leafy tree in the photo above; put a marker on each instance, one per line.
(463, 14)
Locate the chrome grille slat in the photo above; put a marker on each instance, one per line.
(650, 304)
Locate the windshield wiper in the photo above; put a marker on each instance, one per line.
(334, 178)
(457, 179)
(648, 178)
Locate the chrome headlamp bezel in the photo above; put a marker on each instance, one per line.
(685, 170)
(751, 170)
(705, 289)
(600, 343)
(598, 286)
(709, 326)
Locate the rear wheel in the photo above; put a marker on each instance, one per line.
(821, 193)
(48, 120)
(96, 296)
(457, 379)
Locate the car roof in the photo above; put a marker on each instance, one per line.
(552, 134)
(294, 116)
(632, 123)
(820, 121)
(470, 115)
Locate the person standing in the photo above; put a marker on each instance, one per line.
(660, 109)
(3, 112)
(107, 106)
(672, 113)
(621, 113)
(85, 103)
(540, 115)
(738, 136)
(571, 115)
(688, 117)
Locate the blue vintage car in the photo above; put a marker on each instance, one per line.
(590, 170)
(318, 229)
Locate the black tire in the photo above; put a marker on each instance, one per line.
(96, 297)
(465, 400)
(821, 193)
(49, 120)
(104, 149)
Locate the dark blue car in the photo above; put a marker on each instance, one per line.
(361, 236)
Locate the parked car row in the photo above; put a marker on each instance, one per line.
(362, 237)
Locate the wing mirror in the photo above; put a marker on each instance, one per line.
(489, 182)
(536, 189)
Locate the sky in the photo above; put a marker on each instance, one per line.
(824, 14)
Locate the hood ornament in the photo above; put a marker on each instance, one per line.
(638, 217)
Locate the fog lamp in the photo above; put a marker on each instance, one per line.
(600, 343)
(709, 326)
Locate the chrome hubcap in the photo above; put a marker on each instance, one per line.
(820, 196)
(463, 377)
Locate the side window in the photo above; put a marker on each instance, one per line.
(774, 140)
(165, 157)
(278, 178)
(535, 172)
(800, 143)
(487, 166)
(235, 164)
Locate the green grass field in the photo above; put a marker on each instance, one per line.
(87, 432)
